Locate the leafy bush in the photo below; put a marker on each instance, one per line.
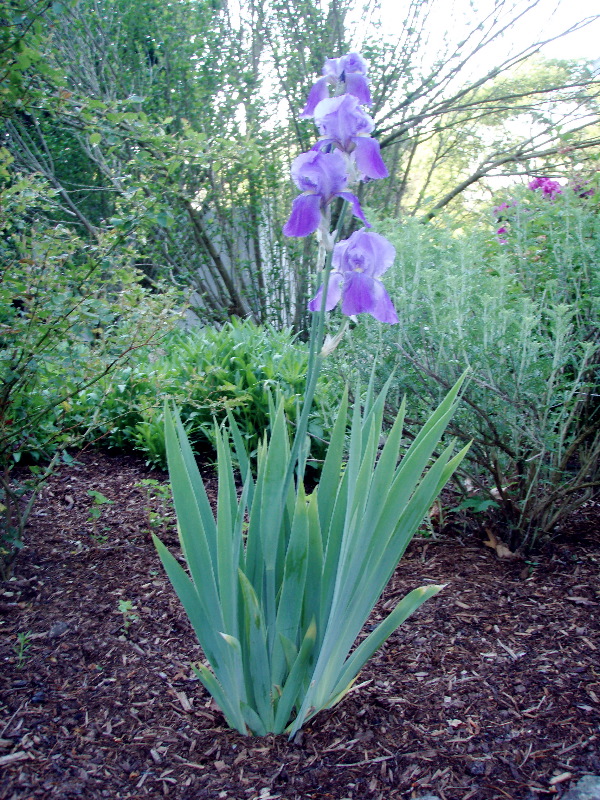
(70, 311)
(527, 328)
(209, 373)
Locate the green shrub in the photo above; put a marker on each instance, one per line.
(209, 373)
(528, 331)
(70, 311)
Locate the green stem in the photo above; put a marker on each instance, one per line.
(315, 361)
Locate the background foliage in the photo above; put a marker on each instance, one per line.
(523, 313)
(144, 164)
(175, 124)
(236, 370)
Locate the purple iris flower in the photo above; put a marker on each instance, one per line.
(341, 121)
(320, 177)
(351, 70)
(357, 264)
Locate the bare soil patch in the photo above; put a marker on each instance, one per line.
(492, 690)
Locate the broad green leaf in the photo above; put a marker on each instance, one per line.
(289, 607)
(227, 548)
(253, 721)
(241, 454)
(204, 507)
(255, 563)
(272, 488)
(290, 651)
(202, 619)
(233, 715)
(330, 474)
(295, 680)
(255, 654)
(314, 571)
(407, 606)
(192, 533)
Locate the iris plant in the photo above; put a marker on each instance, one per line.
(279, 584)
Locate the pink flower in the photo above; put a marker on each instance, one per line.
(549, 187)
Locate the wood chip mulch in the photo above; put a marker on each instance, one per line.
(491, 690)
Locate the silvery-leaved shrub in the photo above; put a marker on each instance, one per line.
(280, 583)
(521, 309)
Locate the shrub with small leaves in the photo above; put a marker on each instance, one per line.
(71, 310)
(527, 327)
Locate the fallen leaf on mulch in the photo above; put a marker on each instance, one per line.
(502, 551)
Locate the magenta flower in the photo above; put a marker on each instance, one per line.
(501, 232)
(350, 70)
(320, 177)
(497, 210)
(549, 187)
(342, 122)
(357, 264)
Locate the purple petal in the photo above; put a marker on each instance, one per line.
(324, 174)
(353, 63)
(334, 292)
(305, 217)
(341, 119)
(368, 157)
(318, 92)
(333, 68)
(357, 85)
(364, 252)
(356, 209)
(363, 294)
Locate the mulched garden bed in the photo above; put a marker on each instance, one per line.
(491, 690)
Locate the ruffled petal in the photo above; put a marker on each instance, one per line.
(334, 292)
(356, 209)
(363, 294)
(341, 119)
(364, 252)
(353, 62)
(320, 173)
(368, 157)
(318, 92)
(358, 86)
(305, 217)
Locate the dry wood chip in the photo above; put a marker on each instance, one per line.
(11, 758)
(580, 601)
(564, 776)
(185, 703)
